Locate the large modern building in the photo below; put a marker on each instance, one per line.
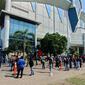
(41, 17)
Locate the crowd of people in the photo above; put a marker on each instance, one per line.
(17, 63)
(62, 63)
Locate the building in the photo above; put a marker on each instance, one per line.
(42, 17)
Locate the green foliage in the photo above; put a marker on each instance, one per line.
(74, 51)
(20, 40)
(54, 43)
(76, 81)
(76, 54)
(71, 51)
(2, 4)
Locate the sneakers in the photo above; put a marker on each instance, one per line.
(31, 74)
(51, 74)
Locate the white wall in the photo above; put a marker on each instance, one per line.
(77, 38)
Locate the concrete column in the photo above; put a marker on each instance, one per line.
(68, 34)
(36, 44)
(54, 16)
(6, 25)
(36, 37)
(78, 49)
(8, 5)
(84, 42)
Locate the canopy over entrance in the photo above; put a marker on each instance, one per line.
(63, 4)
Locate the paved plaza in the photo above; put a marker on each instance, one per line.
(41, 77)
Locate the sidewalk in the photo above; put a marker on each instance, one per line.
(41, 77)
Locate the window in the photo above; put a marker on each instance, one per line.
(48, 8)
(17, 25)
(21, 25)
(33, 4)
(60, 12)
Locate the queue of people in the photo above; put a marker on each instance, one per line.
(62, 63)
(17, 63)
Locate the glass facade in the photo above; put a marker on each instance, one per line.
(17, 25)
(60, 13)
(48, 8)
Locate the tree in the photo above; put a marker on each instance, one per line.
(21, 41)
(2, 4)
(54, 43)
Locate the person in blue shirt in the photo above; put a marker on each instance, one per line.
(20, 67)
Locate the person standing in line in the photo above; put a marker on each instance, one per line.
(70, 62)
(11, 62)
(0, 58)
(80, 59)
(50, 65)
(78, 63)
(74, 62)
(20, 67)
(57, 62)
(60, 63)
(31, 64)
(0, 61)
(43, 62)
(66, 63)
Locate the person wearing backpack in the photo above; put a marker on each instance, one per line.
(20, 67)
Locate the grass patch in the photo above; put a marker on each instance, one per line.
(76, 81)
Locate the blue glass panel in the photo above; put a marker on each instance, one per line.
(60, 12)
(48, 8)
(33, 4)
(16, 25)
(73, 18)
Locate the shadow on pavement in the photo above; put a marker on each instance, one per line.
(37, 68)
(5, 70)
(11, 76)
(41, 72)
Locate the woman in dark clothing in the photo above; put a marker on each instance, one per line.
(66, 62)
(70, 62)
(31, 64)
(57, 62)
(80, 59)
